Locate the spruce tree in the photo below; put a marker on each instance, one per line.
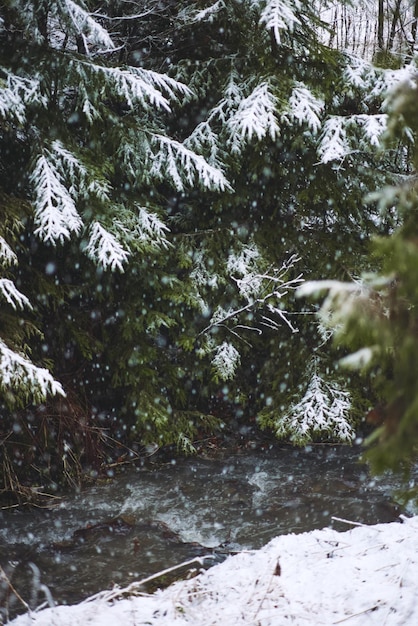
(296, 128)
(376, 316)
(169, 177)
(84, 152)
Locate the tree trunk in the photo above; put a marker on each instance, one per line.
(42, 19)
(414, 26)
(333, 31)
(395, 20)
(380, 23)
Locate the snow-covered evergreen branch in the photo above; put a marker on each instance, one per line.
(359, 73)
(322, 411)
(138, 86)
(81, 182)
(333, 144)
(387, 80)
(209, 12)
(56, 215)
(105, 249)
(7, 256)
(16, 93)
(84, 25)
(204, 141)
(19, 374)
(12, 295)
(143, 229)
(151, 229)
(278, 15)
(226, 361)
(256, 115)
(183, 167)
(336, 142)
(304, 108)
(373, 126)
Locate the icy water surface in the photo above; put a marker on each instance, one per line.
(188, 507)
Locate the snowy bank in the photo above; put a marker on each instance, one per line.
(366, 575)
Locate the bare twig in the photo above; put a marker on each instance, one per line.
(276, 289)
(347, 521)
(345, 619)
(3, 576)
(135, 587)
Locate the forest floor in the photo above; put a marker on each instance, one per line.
(364, 576)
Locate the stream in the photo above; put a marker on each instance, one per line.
(168, 513)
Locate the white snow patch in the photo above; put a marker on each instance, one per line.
(366, 575)
(358, 359)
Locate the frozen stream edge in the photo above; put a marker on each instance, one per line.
(366, 575)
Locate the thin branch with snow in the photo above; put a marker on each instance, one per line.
(56, 215)
(105, 249)
(256, 115)
(20, 374)
(12, 295)
(261, 291)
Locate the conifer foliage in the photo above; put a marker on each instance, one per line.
(58, 106)
(296, 128)
(169, 175)
(83, 148)
(376, 316)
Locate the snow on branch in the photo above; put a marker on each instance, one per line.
(233, 91)
(226, 361)
(55, 211)
(305, 108)
(204, 140)
(202, 275)
(11, 104)
(12, 295)
(151, 229)
(323, 410)
(387, 80)
(145, 229)
(71, 169)
(359, 73)
(359, 359)
(69, 163)
(170, 86)
(256, 115)
(341, 299)
(84, 24)
(20, 374)
(278, 15)
(333, 144)
(344, 301)
(181, 165)
(105, 249)
(222, 113)
(244, 261)
(373, 126)
(262, 292)
(15, 93)
(209, 12)
(275, 283)
(7, 256)
(139, 86)
(134, 90)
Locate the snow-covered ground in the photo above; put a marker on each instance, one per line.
(366, 575)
